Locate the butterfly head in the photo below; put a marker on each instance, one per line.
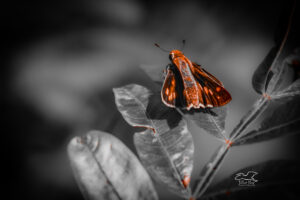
(174, 54)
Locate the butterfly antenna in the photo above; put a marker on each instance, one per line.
(183, 45)
(157, 45)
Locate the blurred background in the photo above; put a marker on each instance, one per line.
(61, 60)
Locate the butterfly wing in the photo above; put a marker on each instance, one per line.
(172, 89)
(211, 89)
(168, 92)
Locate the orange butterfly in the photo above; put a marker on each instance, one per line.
(188, 85)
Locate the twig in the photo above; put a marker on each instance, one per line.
(281, 45)
(210, 170)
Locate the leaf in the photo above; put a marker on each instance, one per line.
(169, 158)
(211, 120)
(286, 89)
(259, 77)
(278, 179)
(142, 108)
(283, 75)
(281, 117)
(272, 74)
(105, 168)
(270, 78)
(290, 92)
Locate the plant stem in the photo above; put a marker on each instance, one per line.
(270, 89)
(259, 106)
(214, 164)
(210, 170)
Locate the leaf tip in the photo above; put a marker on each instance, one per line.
(75, 144)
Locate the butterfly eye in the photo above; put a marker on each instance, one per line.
(170, 57)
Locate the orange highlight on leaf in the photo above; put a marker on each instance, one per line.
(229, 143)
(147, 128)
(186, 181)
(153, 130)
(265, 95)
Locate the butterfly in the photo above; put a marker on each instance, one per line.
(187, 85)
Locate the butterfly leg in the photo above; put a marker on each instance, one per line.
(165, 71)
(210, 111)
(168, 67)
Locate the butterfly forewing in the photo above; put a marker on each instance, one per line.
(168, 92)
(172, 90)
(213, 89)
(203, 72)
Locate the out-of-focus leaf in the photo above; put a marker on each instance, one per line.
(278, 179)
(281, 118)
(105, 168)
(169, 158)
(211, 120)
(209, 171)
(142, 108)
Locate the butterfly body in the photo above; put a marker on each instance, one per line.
(187, 85)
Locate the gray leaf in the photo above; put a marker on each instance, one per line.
(142, 108)
(281, 117)
(260, 75)
(212, 120)
(278, 179)
(292, 90)
(105, 168)
(272, 74)
(283, 74)
(168, 158)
